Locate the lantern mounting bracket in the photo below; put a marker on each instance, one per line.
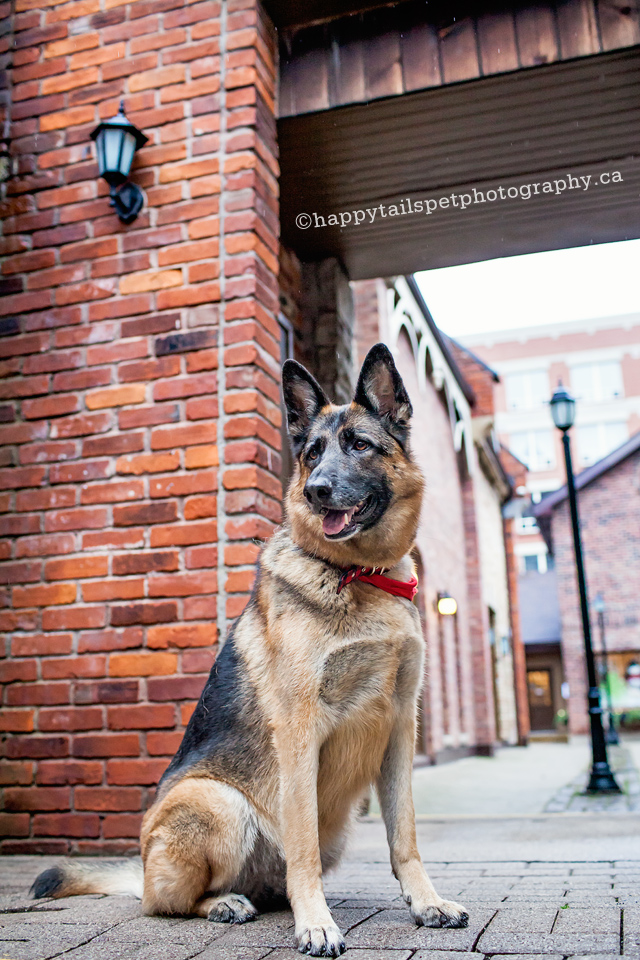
(127, 201)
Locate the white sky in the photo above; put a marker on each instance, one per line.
(576, 284)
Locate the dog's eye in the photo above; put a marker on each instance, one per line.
(361, 445)
(312, 455)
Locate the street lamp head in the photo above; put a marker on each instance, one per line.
(598, 603)
(563, 408)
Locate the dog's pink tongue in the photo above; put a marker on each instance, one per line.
(336, 520)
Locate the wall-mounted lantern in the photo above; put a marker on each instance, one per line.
(116, 142)
(446, 605)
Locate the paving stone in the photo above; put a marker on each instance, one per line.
(566, 943)
(531, 919)
(394, 928)
(596, 920)
(350, 954)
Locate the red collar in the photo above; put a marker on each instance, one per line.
(398, 588)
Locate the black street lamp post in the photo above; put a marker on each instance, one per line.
(601, 779)
(598, 606)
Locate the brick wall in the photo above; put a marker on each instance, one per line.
(140, 420)
(610, 524)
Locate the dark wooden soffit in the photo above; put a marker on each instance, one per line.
(414, 45)
(580, 118)
(297, 13)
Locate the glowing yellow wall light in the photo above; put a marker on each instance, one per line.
(447, 606)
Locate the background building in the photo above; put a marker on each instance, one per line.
(609, 498)
(599, 361)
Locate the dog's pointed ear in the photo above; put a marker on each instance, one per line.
(304, 398)
(381, 391)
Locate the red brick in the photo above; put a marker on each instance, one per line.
(16, 721)
(106, 798)
(84, 518)
(15, 773)
(182, 585)
(197, 557)
(142, 664)
(122, 825)
(45, 545)
(72, 718)
(143, 613)
(34, 747)
(132, 772)
(72, 667)
(11, 670)
(112, 492)
(183, 534)
(175, 688)
(44, 595)
(183, 484)
(106, 745)
(26, 572)
(45, 499)
(80, 618)
(98, 590)
(197, 507)
(140, 717)
(163, 743)
(66, 825)
(14, 824)
(76, 568)
(182, 635)
(57, 772)
(145, 513)
(38, 694)
(38, 645)
(109, 691)
(136, 563)
(148, 463)
(18, 799)
(182, 436)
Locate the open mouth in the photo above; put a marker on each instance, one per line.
(338, 524)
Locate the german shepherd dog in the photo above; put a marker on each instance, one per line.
(311, 700)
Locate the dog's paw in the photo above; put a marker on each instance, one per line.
(232, 908)
(321, 941)
(445, 914)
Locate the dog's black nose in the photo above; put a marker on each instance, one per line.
(318, 490)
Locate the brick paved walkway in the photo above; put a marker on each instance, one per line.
(550, 910)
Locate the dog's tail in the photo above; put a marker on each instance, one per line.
(73, 878)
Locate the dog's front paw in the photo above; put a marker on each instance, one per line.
(444, 914)
(231, 908)
(321, 941)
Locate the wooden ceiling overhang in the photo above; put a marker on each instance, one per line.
(386, 122)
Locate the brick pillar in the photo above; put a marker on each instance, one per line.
(140, 421)
(328, 321)
(485, 725)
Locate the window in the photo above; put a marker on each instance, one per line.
(526, 525)
(596, 440)
(534, 448)
(527, 389)
(531, 562)
(597, 382)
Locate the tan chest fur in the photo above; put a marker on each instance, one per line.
(334, 668)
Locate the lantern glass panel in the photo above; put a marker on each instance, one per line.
(128, 150)
(563, 413)
(113, 140)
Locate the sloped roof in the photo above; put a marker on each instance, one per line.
(587, 476)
